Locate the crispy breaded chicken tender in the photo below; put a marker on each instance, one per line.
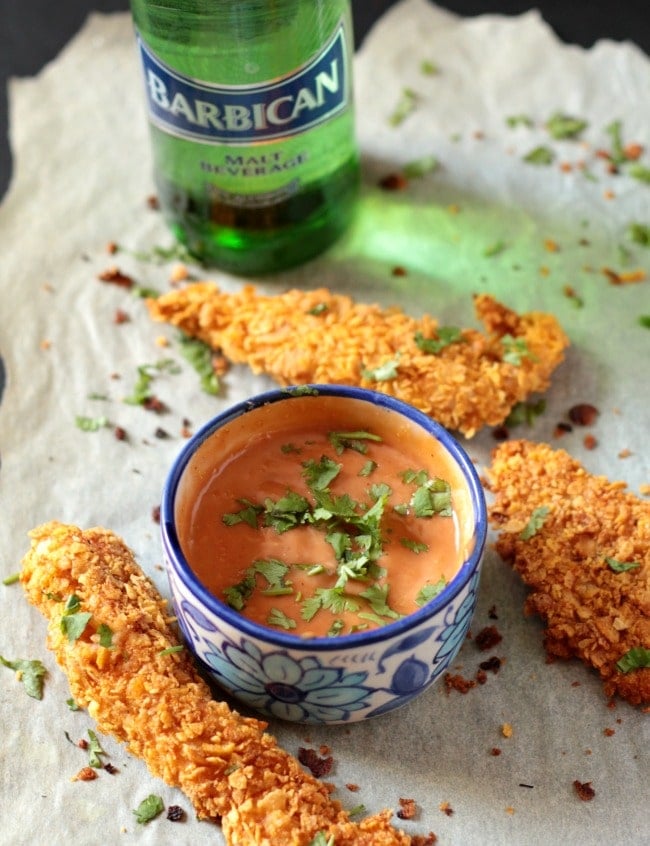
(156, 702)
(316, 336)
(593, 608)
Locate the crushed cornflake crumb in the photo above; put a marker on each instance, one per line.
(85, 774)
(407, 809)
(506, 730)
(120, 317)
(584, 790)
(625, 453)
(510, 810)
(458, 683)
(45, 344)
(353, 788)
(179, 273)
(590, 442)
(446, 808)
(162, 341)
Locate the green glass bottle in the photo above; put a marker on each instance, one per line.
(252, 125)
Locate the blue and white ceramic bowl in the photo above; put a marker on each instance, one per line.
(323, 680)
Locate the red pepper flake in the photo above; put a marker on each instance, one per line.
(488, 638)
(114, 276)
(633, 151)
(481, 677)
(175, 813)
(110, 768)
(609, 732)
(584, 790)
(315, 764)
(393, 182)
(562, 429)
(120, 433)
(83, 743)
(590, 442)
(500, 433)
(407, 809)
(495, 751)
(120, 317)
(583, 414)
(85, 774)
(492, 665)
(155, 514)
(152, 403)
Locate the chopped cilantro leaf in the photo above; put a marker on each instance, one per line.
(368, 468)
(564, 126)
(445, 335)
(318, 475)
(644, 321)
(639, 172)
(280, 620)
(383, 372)
(420, 167)
(95, 751)
(199, 355)
(171, 650)
(149, 809)
(519, 120)
(515, 350)
(11, 580)
(621, 566)
(639, 233)
(635, 659)
(91, 424)
(237, 595)
(407, 103)
(494, 249)
(356, 441)
(535, 522)
(30, 672)
(248, 514)
(525, 412)
(377, 596)
(336, 628)
(414, 546)
(428, 591)
(105, 636)
(540, 156)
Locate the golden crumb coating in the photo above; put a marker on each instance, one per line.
(593, 608)
(156, 702)
(316, 336)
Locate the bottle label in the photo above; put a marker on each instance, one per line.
(244, 114)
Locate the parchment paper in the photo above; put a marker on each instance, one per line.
(484, 219)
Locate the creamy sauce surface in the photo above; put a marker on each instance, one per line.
(230, 515)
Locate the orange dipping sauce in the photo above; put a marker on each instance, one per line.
(323, 515)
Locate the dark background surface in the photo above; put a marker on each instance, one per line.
(32, 32)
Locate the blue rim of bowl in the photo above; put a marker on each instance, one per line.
(172, 547)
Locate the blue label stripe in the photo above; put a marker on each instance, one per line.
(244, 114)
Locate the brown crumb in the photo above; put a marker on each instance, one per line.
(85, 774)
(424, 839)
(154, 404)
(625, 453)
(561, 429)
(353, 788)
(153, 202)
(446, 808)
(609, 732)
(407, 809)
(393, 182)
(175, 813)
(155, 514)
(120, 317)
(584, 790)
(492, 664)
(399, 271)
(458, 683)
(110, 768)
(590, 442)
(120, 433)
(487, 638)
(111, 248)
(318, 766)
(583, 414)
(114, 276)
(495, 751)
